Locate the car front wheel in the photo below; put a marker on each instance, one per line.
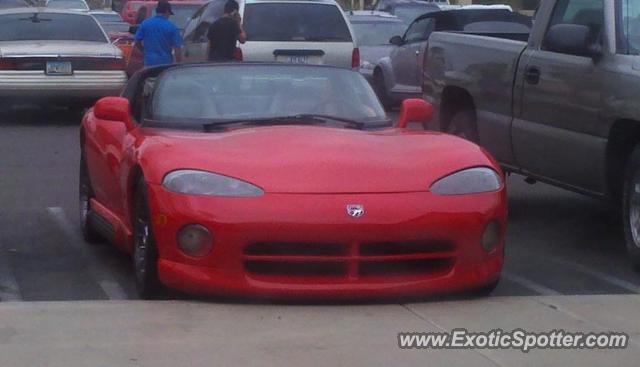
(85, 191)
(145, 254)
(631, 207)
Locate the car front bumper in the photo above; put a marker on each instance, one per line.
(305, 245)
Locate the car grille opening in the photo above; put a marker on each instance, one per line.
(405, 267)
(292, 249)
(349, 262)
(404, 248)
(300, 269)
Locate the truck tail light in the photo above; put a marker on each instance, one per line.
(237, 54)
(355, 58)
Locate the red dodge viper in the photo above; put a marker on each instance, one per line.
(279, 180)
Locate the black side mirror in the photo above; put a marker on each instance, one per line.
(573, 39)
(396, 41)
(133, 29)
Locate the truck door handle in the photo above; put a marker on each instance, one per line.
(532, 75)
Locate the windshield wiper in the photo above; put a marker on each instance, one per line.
(300, 119)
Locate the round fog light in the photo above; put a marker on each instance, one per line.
(491, 235)
(195, 240)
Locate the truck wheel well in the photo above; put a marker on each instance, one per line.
(624, 135)
(377, 71)
(454, 99)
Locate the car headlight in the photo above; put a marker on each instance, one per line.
(468, 181)
(196, 182)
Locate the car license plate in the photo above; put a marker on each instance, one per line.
(298, 59)
(59, 68)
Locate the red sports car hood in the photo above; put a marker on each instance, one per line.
(303, 159)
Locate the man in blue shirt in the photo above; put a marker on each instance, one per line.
(159, 37)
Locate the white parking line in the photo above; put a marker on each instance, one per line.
(621, 283)
(9, 289)
(530, 284)
(98, 271)
(607, 278)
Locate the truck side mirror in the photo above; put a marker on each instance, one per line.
(572, 39)
(396, 41)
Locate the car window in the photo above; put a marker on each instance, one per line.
(290, 22)
(376, 33)
(50, 27)
(631, 26)
(181, 13)
(209, 93)
(496, 27)
(419, 30)
(121, 27)
(212, 12)
(193, 22)
(409, 13)
(107, 18)
(584, 12)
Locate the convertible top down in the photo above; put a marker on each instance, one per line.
(279, 180)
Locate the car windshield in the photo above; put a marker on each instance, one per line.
(68, 4)
(50, 27)
(219, 93)
(376, 33)
(631, 25)
(181, 13)
(288, 22)
(409, 13)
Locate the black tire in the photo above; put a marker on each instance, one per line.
(145, 253)
(631, 208)
(463, 124)
(85, 194)
(381, 90)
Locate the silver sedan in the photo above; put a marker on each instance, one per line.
(56, 55)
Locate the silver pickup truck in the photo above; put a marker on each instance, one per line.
(562, 108)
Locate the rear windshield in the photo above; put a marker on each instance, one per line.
(295, 22)
(68, 4)
(116, 27)
(376, 33)
(7, 4)
(107, 18)
(50, 27)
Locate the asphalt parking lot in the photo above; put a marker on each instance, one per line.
(559, 243)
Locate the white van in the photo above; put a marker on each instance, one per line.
(296, 31)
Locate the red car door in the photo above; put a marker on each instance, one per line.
(106, 147)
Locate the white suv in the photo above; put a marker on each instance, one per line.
(296, 31)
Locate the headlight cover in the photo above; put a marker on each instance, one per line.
(195, 182)
(468, 181)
